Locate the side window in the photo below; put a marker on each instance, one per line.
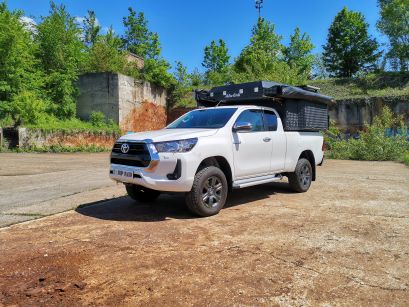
(270, 121)
(254, 117)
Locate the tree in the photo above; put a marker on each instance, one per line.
(19, 71)
(196, 78)
(105, 55)
(394, 23)
(181, 75)
(91, 29)
(216, 61)
(298, 53)
(263, 58)
(61, 55)
(138, 39)
(265, 48)
(349, 48)
(216, 57)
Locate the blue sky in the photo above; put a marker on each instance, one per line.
(186, 27)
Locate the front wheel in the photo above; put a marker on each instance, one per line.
(300, 180)
(209, 192)
(141, 194)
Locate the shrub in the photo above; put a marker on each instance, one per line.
(25, 107)
(373, 143)
(97, 119)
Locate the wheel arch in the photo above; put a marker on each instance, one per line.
(309, 155)
(220, 162)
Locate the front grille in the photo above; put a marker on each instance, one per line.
(138, 154)
(134, 148)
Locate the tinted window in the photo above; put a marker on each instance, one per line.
(204, 118)
(270, 120)
(254, 117)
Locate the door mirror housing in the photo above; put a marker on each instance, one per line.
(242, 127)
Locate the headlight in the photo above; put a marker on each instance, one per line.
(176, 146)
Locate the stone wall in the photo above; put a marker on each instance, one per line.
(31, 138)
(118, 96)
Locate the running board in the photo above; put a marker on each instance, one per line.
(243, 183)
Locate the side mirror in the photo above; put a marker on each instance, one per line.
(242, 127)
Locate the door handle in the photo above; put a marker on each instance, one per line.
(267, 139)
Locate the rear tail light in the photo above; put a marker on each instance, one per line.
(324, 147)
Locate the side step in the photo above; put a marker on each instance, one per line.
(243, 183)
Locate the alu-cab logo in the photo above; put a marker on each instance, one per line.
(125, 148)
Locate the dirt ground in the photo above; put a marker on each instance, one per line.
(344, 242)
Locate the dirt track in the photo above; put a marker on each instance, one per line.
(345, 242)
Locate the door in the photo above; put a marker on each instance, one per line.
(278, 140)
(252, 149)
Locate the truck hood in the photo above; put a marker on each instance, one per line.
(168, 134)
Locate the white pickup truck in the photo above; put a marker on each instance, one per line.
(210, 151)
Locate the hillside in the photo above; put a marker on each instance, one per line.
(380, 85)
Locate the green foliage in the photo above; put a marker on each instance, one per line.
(216, 56)
(388, 85)
(263, 58)
(90, 29)
(216, 61)
(298, 53)
(405, 158)
(61, 54)
(97, 119)
(394, 23)
(372, 144)
(349, 48)
(61, 148)
(105, 55)
(26, 108)
(139, 40)
(18, 65)
(49, 124)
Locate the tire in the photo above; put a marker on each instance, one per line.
(209, 192)
(141, 194)
(300, 180)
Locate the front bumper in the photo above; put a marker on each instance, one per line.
(156, 176)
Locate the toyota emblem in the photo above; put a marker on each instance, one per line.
(125, 148)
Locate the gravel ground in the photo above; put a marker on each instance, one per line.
(344, 242)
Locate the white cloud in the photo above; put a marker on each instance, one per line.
(29, 23)
(81, 20)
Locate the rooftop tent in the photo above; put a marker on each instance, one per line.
(300, 108)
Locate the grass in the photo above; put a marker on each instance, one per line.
(405, 158)
(59, 149)
(373, 85)
(74, 125)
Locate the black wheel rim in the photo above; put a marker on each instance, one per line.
(305, 176)
(212, 192)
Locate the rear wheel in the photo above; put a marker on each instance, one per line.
(209, 192)
(141, 194)
(300, 180)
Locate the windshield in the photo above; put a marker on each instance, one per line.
(204, 118)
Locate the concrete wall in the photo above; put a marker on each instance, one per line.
(117, 96)
(353, 114)
(98, 92)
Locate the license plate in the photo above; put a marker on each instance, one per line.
(126, 174)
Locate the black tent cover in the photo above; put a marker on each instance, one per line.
(259, 90)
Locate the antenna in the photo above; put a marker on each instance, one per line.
(259, 6)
